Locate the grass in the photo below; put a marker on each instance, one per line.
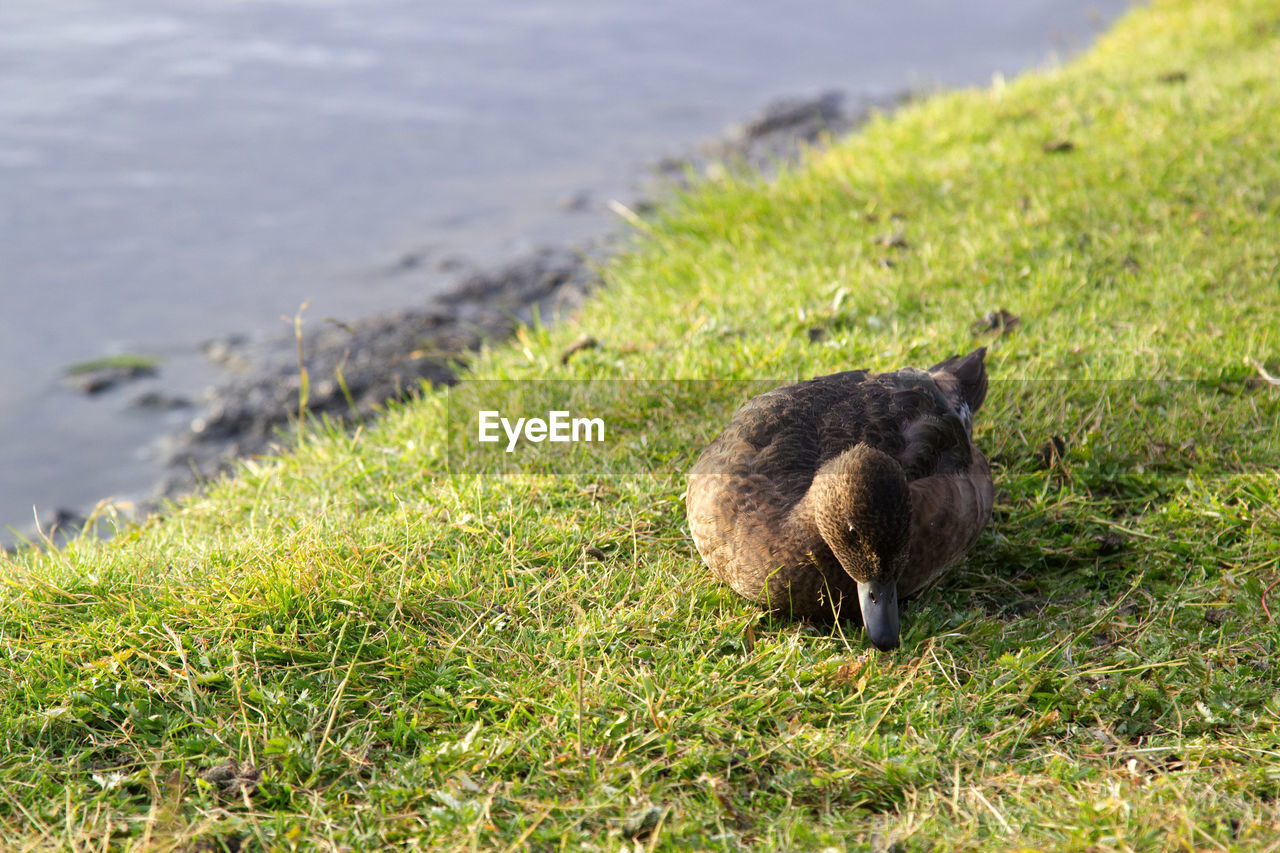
(400, 644)
(125, 361)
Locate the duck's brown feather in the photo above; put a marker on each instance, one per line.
(747, 492)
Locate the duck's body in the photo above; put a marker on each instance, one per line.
(845, 490)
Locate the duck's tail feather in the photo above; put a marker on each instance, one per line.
(971, 372)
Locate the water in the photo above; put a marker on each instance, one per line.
(172, 171)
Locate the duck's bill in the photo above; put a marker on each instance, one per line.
(879, 605)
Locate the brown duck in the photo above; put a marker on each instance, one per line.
(854, 486)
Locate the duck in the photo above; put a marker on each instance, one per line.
(853, 487)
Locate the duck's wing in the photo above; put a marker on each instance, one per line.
(920, 418)
(908, 416)
(951, 492)
(740, 520)
(787, 434)
(934, 442)
(741, 493)
(948, 513)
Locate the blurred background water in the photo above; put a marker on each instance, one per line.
(173, 171)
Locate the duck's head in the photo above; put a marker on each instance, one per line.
(862, 507)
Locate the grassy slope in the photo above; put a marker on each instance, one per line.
(416, 655)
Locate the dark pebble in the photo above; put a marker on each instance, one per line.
(1111, 543)
(105, 378)
(158, 402)
(894, 240)
(998, 321)
(585, 342)
(1052, 452)
(640, 825)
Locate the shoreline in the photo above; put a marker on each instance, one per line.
(355, 368)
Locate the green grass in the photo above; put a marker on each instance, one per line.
(135, 361)
(419, 653)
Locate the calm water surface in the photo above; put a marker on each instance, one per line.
(173, 171)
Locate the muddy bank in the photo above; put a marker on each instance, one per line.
(354, 368)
